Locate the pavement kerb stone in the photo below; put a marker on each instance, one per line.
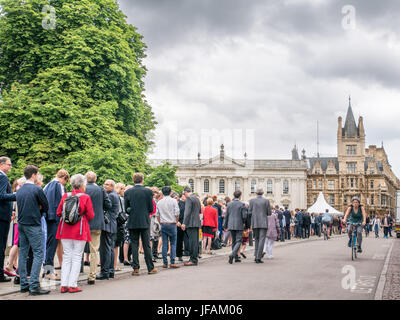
(83, 277)
(382, 278)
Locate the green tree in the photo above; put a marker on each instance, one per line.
(72, 96)
(164, 175)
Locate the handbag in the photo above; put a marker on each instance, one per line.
(122, 218)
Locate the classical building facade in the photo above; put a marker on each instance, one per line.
(356, 171)
(284, 181)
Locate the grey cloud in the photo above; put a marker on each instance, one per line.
(322, 64)
(165, 22)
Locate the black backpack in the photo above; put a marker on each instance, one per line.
(70, 212)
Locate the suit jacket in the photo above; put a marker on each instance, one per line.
(260, 209)
(53, 195)
(306, 220)
(181, 205)
(112, 213)
(191, 218)
(6, 199)
(299, 218)
(235, 215)
(288, 216)
(139, 205)
(101, 203)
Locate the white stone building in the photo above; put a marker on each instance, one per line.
(284, 181)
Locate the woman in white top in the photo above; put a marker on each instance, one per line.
(376, 225)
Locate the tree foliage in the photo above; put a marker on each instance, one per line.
(73, 97)
(161, 176)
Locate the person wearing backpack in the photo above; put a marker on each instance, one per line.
(75, 210)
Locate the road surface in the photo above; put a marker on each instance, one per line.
(305, 270)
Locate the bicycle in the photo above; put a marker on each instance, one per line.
(354, 240)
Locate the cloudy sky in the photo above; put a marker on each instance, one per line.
(259, 74)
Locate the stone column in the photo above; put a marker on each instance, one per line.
(198, 187)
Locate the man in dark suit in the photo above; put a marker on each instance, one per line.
(306, 224)
(191, 224)
(108, 233)
(259, 209)
(288, 216)
(139, 204)
(54, 191)
(6, 200)
(299, 223)
(181, 239)
(101, 203)
(234, 220)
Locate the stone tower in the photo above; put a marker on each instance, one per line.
(351, 144)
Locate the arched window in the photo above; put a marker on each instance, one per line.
(222, 186)
(206, 186)
(285, 187)
(269, 186)
(191, 184)
(237, 184)
(253, 186)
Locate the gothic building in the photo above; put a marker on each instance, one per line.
(356, 171)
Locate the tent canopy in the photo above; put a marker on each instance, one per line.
(321, 205)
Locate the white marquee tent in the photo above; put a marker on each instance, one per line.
(321, 205)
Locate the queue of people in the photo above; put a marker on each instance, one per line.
(118, 222)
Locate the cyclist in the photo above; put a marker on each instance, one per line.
(367, 227)
(357, 215)
(327, 220)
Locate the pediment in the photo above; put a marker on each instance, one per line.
(221, 162)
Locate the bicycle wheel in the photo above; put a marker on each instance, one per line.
(355, 245)
(352, 252)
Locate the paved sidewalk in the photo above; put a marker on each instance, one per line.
(392, 286)
(11, 288)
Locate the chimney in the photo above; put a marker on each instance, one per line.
(340, 126)
(361, 127)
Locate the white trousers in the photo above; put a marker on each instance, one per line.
(71, 263)
(269, 244)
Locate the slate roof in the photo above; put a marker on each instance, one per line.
(378, 164)
(350, 128)
(324, 162)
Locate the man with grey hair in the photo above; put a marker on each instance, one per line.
(6, 200)
(191, 223)
(259, 209)
(100, 202)
(108, 233)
